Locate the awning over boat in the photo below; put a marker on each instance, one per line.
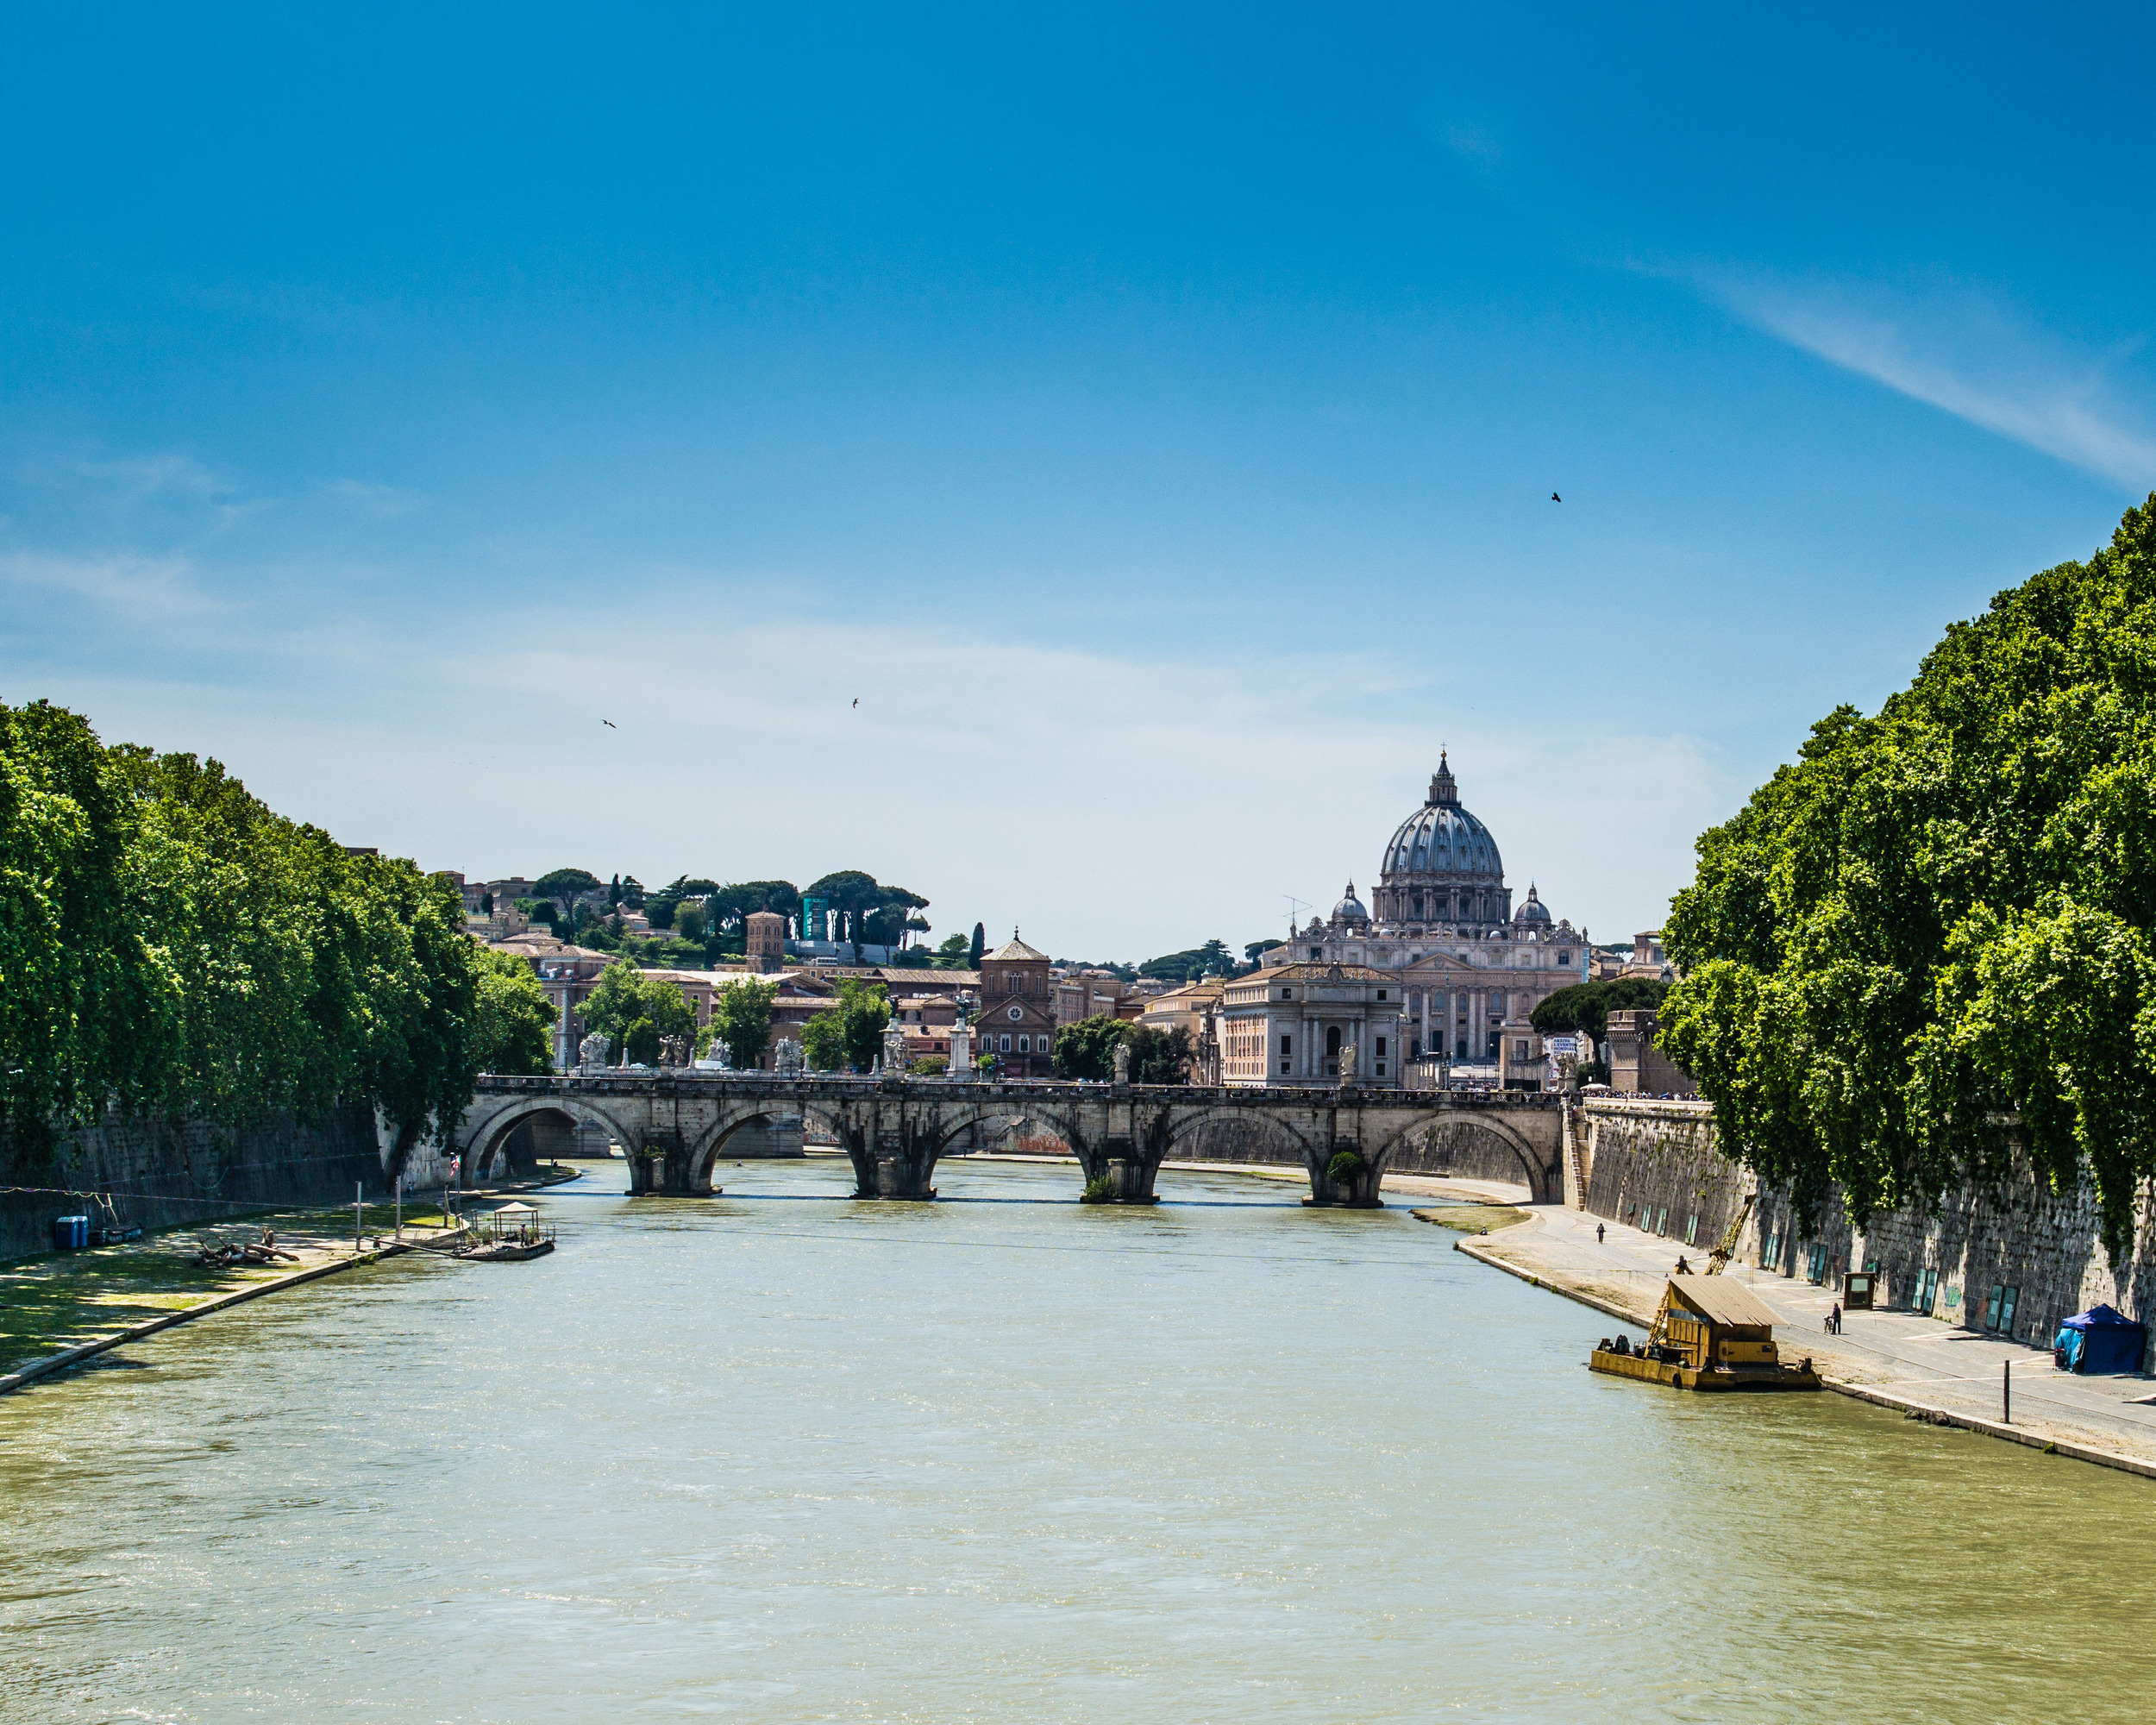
(1720, 1300)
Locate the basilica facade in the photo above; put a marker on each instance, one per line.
(1442, 925)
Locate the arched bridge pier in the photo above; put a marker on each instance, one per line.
(675, 1126)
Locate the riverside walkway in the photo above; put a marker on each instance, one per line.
(1898, 1359)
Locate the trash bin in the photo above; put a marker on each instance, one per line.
(70, 1233)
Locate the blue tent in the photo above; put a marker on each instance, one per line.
(2099, 1340)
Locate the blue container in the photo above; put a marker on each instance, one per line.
(70, 1233)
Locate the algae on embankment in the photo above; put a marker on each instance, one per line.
(1474, 1219)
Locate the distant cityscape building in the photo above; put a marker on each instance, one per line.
(766, 940)
(1017, 1022)
(1292, 1023)
(1462, 963)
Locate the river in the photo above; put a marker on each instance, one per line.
(780, 1456)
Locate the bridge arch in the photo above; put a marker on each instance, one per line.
(1182, 1125)
(1536, 1172)
(484, 1142)
(705, 1150)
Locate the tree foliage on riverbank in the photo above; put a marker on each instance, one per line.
(171, 947)
(1935, 933)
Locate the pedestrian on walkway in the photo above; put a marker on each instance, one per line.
(1833, 1319)
(1598, 1233)
(1682, 1268)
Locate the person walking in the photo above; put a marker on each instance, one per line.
(1598, 1233)
(1833, 1320)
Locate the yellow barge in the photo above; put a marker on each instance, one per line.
(1709, 1333)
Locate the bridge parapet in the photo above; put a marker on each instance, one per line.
(675, 1125)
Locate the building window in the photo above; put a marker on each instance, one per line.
(1315, 952)
(1288, 993)
(1381, 993)
(1818, 1264)
(1381, 1048)
(1025, 1044)
(1287, 1049)
(1691, 1231)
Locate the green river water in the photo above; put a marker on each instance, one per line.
(780, 1456)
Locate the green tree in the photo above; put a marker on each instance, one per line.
(848, 1036)
(1257, 949)
(564, 884)
(1087, 1047)
(955, 954)
(632, 1011)
(1087, 1050)
(740, 1018)
(1188, 967)
(1927, 943)
(688, 921)
(1158, 1056)
(171, 949)
(513, 1027)
(977, 948)
(1587, 1005)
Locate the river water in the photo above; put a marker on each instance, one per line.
(780, 1456)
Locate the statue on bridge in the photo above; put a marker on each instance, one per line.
(785, 1057)
(1347, 1063)
(894, 1061)
(591, 1053)
(1123, 1063)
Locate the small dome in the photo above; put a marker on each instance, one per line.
(1535, 911)
(1349, 909)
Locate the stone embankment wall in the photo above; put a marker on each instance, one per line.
(1656, 1165)
(162, 1178)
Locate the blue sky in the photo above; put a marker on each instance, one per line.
(1150, 415)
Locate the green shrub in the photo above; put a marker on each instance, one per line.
(1100, 1189)
(1343, 1167)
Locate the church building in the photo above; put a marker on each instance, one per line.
(1464, 961)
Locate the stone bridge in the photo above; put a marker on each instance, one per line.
(674, 1125)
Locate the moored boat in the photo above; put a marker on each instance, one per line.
(1709, 1333)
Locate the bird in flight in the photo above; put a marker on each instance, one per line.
(1554, 498)
(610, 724)
(856, 700)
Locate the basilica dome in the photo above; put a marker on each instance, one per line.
(1442, 838)
(1535, 911)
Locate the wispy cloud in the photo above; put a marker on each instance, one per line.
(1966, 353)
(151, 588)
(383, 502)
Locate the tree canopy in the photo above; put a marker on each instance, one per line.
(741, 1019)
(513, 1023)
(848, 1035)
(632, 1011)
(1087, 1050)
(1188, 967)
(171, 947)
(562, 885)
(1587, 1005)
(1929, 939)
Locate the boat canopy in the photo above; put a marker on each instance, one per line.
(1721, 1300)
